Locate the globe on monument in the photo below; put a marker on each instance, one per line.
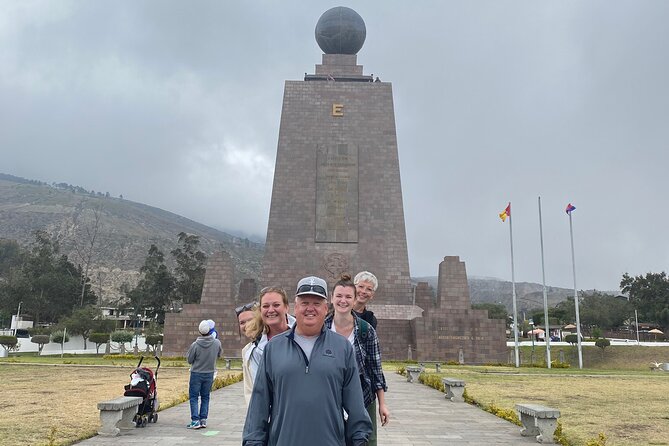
(340, 30)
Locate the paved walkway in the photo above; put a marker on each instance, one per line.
(419, 416)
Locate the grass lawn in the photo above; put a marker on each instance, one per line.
(630, 409)
(60, 401)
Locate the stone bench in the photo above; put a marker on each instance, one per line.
(539, 421)
(413, 372)
(454, 388)
(118, 414)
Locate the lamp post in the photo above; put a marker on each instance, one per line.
(531, 322)
(18, 314)
(137, 330)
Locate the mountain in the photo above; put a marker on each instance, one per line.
(124, 230)
(529, 296)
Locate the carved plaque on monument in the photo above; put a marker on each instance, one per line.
(337, 194)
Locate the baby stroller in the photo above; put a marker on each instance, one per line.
(143, 383)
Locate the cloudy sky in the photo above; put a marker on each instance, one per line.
(176, 104)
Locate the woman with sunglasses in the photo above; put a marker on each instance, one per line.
(271, 318)
(366, 345)
(245, 314)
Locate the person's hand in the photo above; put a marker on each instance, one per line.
(384, 414)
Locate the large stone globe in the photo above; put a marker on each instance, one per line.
(340, 30)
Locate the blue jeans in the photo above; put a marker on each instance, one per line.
(199, 386)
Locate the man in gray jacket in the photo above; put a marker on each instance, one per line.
(202, 356)
(307, 378)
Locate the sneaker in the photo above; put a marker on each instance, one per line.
(194, 425)
(203, 424)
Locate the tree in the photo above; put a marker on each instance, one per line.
(155, 290)
(8, 342)
(649, 294)
(47, 283)
(11, 256)
(87, 245)
(122, 337)
(596, 332)
(603, 310)
(60, 337)
(41, 341)
(99, 339)
(82, 321)
(153, 340)
(190, 269)
(571, 338)
(495, 311)
(602, 343)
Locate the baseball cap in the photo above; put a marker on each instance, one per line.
(312, 285)
(204, 328)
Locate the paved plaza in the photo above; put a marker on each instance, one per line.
(420, 416)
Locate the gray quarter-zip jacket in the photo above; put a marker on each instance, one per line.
(296, 401)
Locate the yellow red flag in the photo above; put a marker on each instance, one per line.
(505, 213)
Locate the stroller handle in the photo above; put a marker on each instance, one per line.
(157, 368)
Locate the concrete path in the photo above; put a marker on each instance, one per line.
(419, 416)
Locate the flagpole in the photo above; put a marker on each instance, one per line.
(576, 304)
(547, 333)
(513, 294)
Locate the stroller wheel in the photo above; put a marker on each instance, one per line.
(155, 417)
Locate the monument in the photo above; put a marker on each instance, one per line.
(337, 207)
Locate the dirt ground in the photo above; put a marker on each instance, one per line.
(42, 401)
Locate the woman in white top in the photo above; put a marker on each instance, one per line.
(271, 318)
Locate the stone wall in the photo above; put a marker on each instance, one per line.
(450, 326)
(218, 303)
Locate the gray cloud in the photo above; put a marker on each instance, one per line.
(177, 105)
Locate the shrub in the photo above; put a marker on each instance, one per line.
(432, 380)
(40, 340)
(596, 332)
(9, 342)
(557, 364)
(98, 339)
(224, 381)
(602, 343)
(572, 339)
(153, 340)
(559, 437)
(599, 441)
(32, 331)
(218, 383)
(59, 337)
(122, 337)
(121, 356)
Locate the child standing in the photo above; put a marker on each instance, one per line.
(202, 355)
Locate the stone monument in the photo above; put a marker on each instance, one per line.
(337, 207)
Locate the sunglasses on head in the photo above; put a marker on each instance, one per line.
(315, 288)
(247, 307)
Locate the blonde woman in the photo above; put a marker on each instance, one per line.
(270, 319)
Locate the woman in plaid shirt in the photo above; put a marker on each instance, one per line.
(362, 337)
